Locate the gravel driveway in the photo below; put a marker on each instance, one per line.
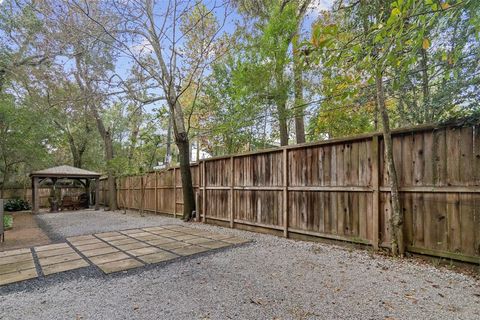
(271, 278)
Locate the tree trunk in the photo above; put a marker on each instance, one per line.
(186, 176)
(77, 153)
(77, 158)
(135, 130)
(104, 133)
(112, 187)
(281, 102)
(168, 153)
(166, 79)
(183, 145)
(425, 87)
(298, 84)
(4, 181)
(396, 220)
(282, 122)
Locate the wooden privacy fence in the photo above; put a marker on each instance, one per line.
(338, 189)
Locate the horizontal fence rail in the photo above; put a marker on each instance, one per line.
(337, 189)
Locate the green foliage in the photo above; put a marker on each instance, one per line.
(16, 204)
(7, 221)
(420, 48)
(23, 139)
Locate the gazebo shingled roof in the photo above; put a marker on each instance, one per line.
(65, 172)
(59, 173)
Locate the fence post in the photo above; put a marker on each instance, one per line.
(204, 193)
(35, 197)
(285, 193)
(142, 193)
(130, 198)
(2, 231)
(232, 192)
(156, 192)
(197, 213)
(174, 192)
(376, 190)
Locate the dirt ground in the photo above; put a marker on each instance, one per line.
(26, 232)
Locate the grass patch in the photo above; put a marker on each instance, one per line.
(7, 221)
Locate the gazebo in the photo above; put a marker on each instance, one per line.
(63, 172)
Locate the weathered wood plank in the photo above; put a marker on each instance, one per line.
(376, 170)
(285, 193)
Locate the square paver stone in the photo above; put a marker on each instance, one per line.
(54, 252)
(59, 259)
(81, 238)
(14, 252)
(131, 246)
(153, 228)
(160, 241)
(152, 238)
(92, 246)
(143, 251)
(16, 266)
(169, 234)
(184, 237)
(173, 245)
(130, 231)
(64, 266)
(139, 234)
(107, 234)
(16, 258)
(52, 246)
(18, 276)
(186, 251)
(99, 251)
(120, 265)
(119, 237)
(160, 233)
(84, 242)
(123, 241)
(187, 230)
(158, 257)
(199, 233)
(197, 240)
(109, 257)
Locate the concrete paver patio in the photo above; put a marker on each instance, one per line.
(110, 251)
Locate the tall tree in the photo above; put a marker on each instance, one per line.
(155, 28)
(278, 25)
(92, 56)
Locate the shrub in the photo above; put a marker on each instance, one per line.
(16, 205)
(7, 221)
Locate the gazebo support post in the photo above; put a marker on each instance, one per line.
(97, 193)
(89, 193)
(35, 198)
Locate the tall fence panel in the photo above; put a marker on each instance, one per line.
(338, 189)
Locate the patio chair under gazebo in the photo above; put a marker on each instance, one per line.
(63, 172)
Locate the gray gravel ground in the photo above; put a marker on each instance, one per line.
(270, 278)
